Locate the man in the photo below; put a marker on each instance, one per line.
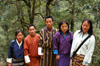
(45, 48)
(31, 47)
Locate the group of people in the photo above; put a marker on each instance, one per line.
(53, 47)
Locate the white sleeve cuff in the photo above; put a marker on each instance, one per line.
(27, 59)
(85, 63)
(40, 51)
(71, 54)
(9, 60)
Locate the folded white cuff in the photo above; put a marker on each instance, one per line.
(85, 63)
(40, 51)
(27, 59)
(71, 54)
(9, 60)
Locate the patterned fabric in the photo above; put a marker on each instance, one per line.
(77, 60)
(31, 49)
(18, 62)
(46, 43)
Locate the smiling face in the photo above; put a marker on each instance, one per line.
(32, 30)
(49, 23)
(64, 27)
(19, 37)
(85, 27)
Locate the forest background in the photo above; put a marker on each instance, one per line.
(18, 14)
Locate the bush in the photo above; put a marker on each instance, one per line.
(96, 54)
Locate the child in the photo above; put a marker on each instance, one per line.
(62, 41)
(31, 47)
(45, 43)
(16, 50)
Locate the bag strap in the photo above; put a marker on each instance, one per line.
(80, 45)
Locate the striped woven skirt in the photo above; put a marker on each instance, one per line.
(18, 62)
(77, 60)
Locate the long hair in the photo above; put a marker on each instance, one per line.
(62, 22)
(90, 31)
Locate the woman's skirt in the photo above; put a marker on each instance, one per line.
(77, 60)
(18, 62)
(64, 60)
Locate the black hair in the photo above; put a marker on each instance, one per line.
(49, 17)
(62, 22)
(18, 31)
(90, 31)
(31, 25)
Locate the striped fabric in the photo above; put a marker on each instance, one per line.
(77, 60)
(47, 47)
(18, 62)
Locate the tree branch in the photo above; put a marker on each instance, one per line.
(40, 15)
(48, 9)
(27, 3)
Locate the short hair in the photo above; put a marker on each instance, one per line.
(49, 17)
(62, 22)
(31, 25)
(18, 31)
(90, 31)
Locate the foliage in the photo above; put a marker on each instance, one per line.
(14, 15)
(96, 55)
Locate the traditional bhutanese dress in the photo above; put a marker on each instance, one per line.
(46, 47)
(84, 54)
(16, 53)
(62, 46)
(31, 50)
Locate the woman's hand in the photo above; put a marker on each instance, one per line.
(57, 57)
(70, 62)
(10, 64)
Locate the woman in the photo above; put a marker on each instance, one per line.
(16, 50)
(62, 44)
(84, 54)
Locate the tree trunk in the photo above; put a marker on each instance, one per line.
(48, 11)
(20, 16)
(33, 13)
(72, 21)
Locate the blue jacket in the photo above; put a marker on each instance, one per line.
(14, 50)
